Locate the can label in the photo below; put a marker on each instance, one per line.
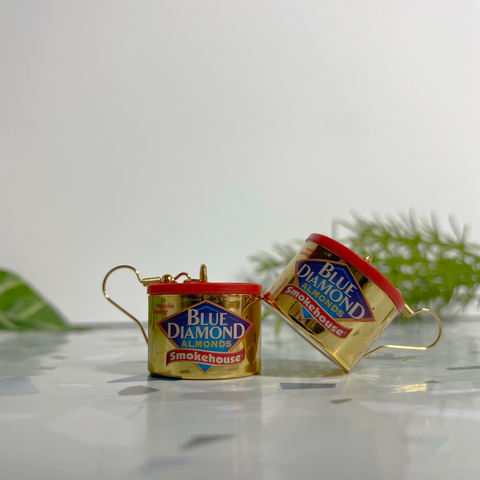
(328, 292)
(206, 335)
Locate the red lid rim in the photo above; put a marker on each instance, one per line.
(199, 288)
(360, 264)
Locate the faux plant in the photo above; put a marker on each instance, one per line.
(429, 266)
(22, 309)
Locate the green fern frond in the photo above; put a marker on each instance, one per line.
(429, 266)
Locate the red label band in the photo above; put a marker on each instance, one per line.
(208, 358)
(316, 310)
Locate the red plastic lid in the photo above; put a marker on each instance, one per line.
(361, 265)
(194, 288)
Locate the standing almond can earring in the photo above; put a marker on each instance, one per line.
(337, 301)
(199, 329)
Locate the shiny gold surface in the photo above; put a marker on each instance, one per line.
(246, 306)
(345, 352)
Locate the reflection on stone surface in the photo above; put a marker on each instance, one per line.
(302, 386)
(379, 357)
(300, 368)
(203, 439)
(165, 463)
(26, 353)
(138, 390)
(142, 378)
(17, 387)
(128, 368)
(473, 367)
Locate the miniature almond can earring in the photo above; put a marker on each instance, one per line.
(199, 329)
(337, 301)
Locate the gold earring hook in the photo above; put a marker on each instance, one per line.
(107, 296)
(146, 282)
(408, 312)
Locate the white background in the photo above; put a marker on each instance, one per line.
(165, 134)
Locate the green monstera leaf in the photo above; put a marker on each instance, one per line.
(21, 309)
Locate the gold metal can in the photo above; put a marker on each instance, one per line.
(201, 330)
(337, 301)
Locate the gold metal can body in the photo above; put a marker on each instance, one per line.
(295, 296)
(204, 336)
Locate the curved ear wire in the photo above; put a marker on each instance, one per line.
(107, 296)
(408, 312)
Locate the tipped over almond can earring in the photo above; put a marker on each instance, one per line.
(337, 301)
(199, 329)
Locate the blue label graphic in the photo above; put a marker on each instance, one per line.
(334, 288)
(205, 327)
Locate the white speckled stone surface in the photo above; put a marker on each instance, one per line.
(81, 405)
